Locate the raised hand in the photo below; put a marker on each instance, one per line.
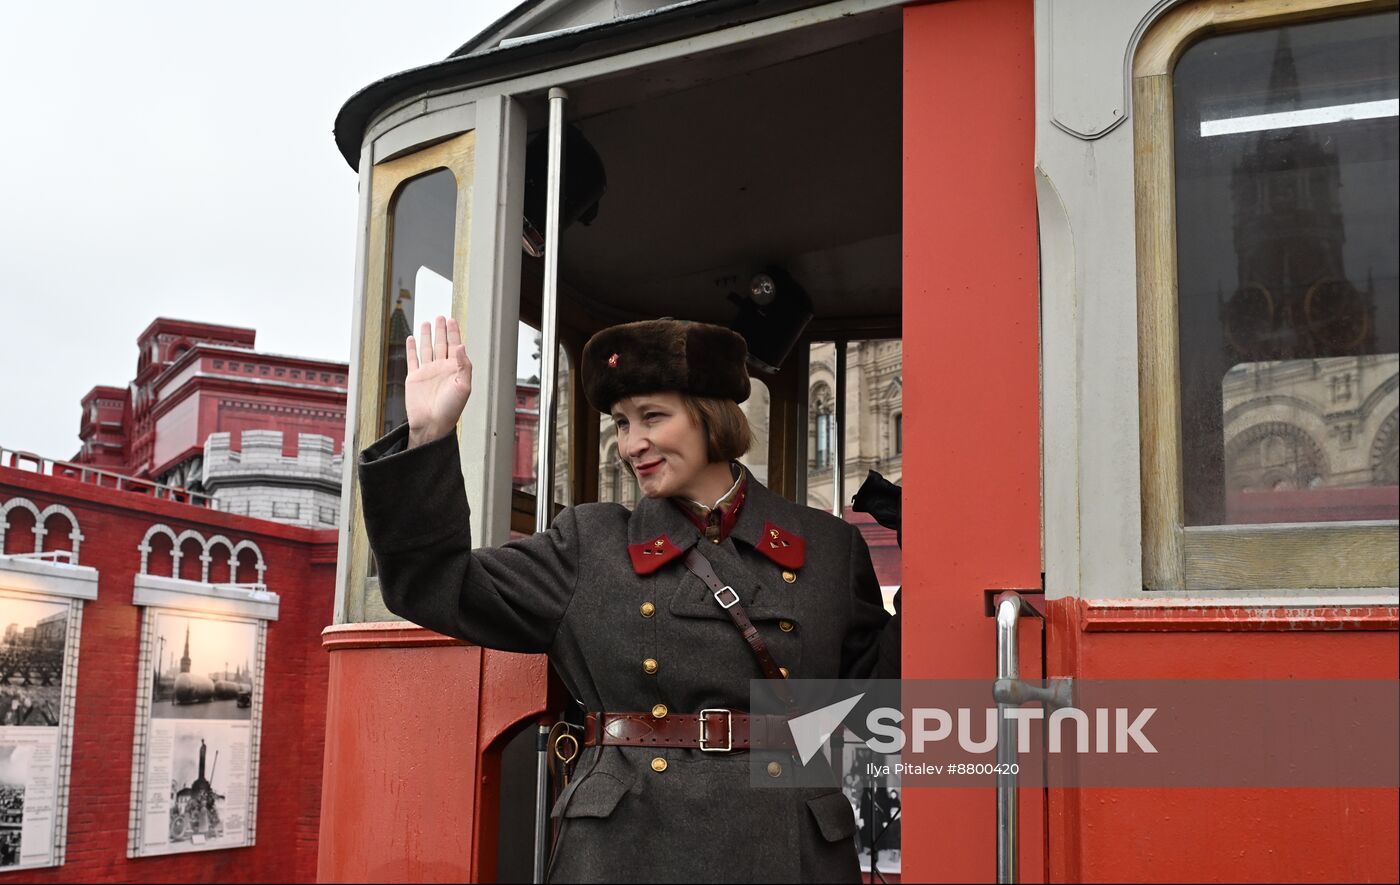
(439, 381)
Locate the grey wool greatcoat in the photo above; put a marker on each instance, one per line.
(573, 593)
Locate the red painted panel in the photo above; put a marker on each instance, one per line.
(1224, 835)
(400, 765)
(971, 460)
(414, 725)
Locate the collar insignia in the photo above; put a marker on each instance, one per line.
(649, 556)
(782, 546)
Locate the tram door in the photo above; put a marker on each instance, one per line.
(734, 172)
(791, 159)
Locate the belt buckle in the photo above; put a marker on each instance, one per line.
(720, 592)
(705, 730)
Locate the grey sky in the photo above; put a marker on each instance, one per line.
(176, 159)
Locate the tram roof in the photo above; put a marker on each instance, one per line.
(529, 39)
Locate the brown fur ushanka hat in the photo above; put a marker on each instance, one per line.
(658, 355)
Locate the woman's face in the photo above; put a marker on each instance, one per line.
(656, 436)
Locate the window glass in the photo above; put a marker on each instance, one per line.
(1286, 178)
(874, 407)
(422, 226)
(528, 369)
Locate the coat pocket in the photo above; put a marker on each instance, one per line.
(595, 795)
(834, 816)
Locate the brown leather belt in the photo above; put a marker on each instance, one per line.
(714, 731)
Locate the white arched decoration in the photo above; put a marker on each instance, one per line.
(217, 540)
(145, 548)
(261, 566)
(41, 529)
(22, 504)
(184, 536)
(206, 556)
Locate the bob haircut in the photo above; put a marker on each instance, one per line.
(726, 428)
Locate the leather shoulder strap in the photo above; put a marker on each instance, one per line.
(727, 599)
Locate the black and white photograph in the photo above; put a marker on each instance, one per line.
(32, 644)
(206, 764)
(871, 783)
(15, 763)
(204, 668)
(197, 796)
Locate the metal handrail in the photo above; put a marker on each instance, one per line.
(1010, 691)
(838, 444)
(549, 309)
(548, 432)
(85, 473)
(541, 801)
(1008, 670)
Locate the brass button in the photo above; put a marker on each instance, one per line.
(790, 577)
(785, 671)
(775, 769)
(786, 626)
(650, 666)
(658, 764)
(648, 609)
(658, 711)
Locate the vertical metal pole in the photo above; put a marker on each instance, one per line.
(838, 445)
(541, 802)
(548, 433)
(1008, 671)
(549, 325)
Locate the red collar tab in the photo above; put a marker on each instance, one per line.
(649, 556)
(782, 546)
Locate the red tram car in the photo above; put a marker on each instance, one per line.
(1133, 263)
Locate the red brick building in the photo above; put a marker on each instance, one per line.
(196, 379)
(137, 552)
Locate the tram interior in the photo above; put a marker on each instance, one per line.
(781, 153)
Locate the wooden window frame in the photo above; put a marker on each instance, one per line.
(1177, 557)
(457, 155)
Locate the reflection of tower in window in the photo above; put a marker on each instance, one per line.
(1293, 299)
(395, 365)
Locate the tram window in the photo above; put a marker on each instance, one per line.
(1286, 168)
(873, 438)
(419, 287)
(616, 483)
(757, 409)
(528, 369)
